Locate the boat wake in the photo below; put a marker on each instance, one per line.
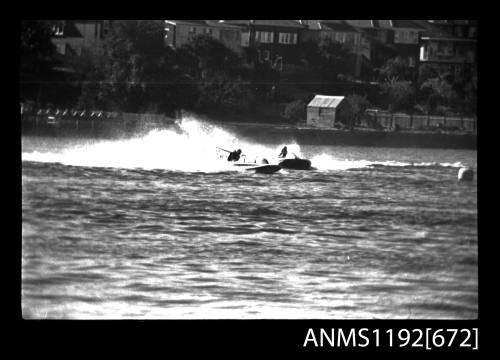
(190, 147)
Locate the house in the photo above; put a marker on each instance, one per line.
(338, 31)
(270, 40)
(402, 36)
(342, 32)
(75, 36)
(449, 44)
(407, 40)
(464, 29)
(323, 111)
(180, 32)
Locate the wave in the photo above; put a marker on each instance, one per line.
(328, 162)
(191, 146)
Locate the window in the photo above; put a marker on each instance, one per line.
(245, 38)
(58, 28)
(472, 32)
(105, 28)
(382, 36)
(414, 37)
(340, 37)
(208, 31)
(406, 37)
(192, 30)
(287, 38)
(445, 48)
(61, 48)
(399, 36)
(411, 61)
(264, 36)
(357, 40)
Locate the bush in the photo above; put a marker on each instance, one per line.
(353, 109)
(295, 111)
(400, 94)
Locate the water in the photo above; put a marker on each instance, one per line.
(158, 227)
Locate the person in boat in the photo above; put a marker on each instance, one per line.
(283, 153)
(234, 155)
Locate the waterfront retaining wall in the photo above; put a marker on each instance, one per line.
(95, 124)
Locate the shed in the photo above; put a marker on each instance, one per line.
(322, 110)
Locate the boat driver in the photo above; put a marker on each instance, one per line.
(283, 153)
(234, 155)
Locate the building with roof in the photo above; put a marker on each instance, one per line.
(338, 31)
(274, 41)
(323, 111)
(75, 36)
(262, 40)
(449, 44)
(463, 29)
(342, 32)
(180, 32)
(401, 36)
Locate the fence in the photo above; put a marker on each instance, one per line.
(387, 120)
(87, 119)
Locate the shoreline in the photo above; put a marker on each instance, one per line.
(304, 135)
(268, 133)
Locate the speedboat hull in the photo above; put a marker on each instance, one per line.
(265, 169)
(262, 169)
(296, 164)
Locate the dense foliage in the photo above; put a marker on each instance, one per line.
(135, 71)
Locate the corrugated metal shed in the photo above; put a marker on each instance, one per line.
(325, 101)
(322, 110)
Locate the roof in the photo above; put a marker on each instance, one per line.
(361, 23)
(70, 31)
(338, 25)
(311, 24)
(385, 24)
(326, 101)
(454, 22)
(433, 31)
(407, 24)
(211, 23)
(193, 22)
(221, 24)
(277, 23)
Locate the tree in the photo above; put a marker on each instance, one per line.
(426, 72)
(295, 111)
(136, 72)
(204, 54)
(133, 68)
(326, 60)
(400, 95)
(381, 53)
(37, 58)
(353, 108)
(37, 51)
(396, 68)
(436, 93)
(217, 70)
(221, 92)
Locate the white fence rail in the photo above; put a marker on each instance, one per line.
(419, 122)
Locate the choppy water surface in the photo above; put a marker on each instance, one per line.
(157, 227)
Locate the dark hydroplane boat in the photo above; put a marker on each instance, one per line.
(265, 169)
(296, 164)
(260, 168)
(240, 160)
